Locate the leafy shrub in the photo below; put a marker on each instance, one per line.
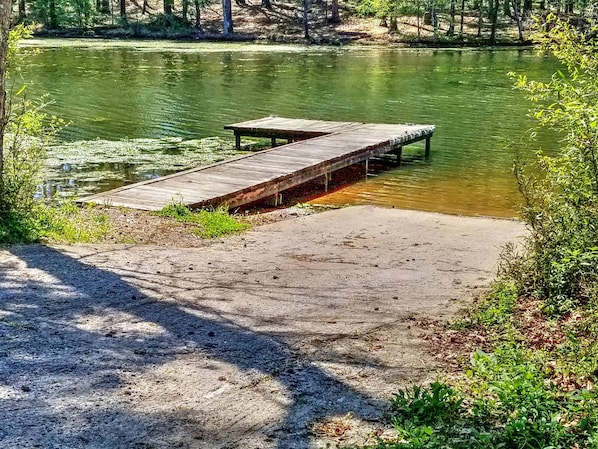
(28, 130)
(561, 203)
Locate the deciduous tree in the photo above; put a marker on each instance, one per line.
(5, 7)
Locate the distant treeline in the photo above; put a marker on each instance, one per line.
(459, 17)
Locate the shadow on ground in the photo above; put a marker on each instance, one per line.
(67, 383)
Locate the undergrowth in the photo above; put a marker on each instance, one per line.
(512, 397)
(62, 223)
(68, 223)
(210, 223)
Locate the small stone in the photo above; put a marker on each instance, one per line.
(274, 277)
(376, 308)
(25, 388)
(211, 334)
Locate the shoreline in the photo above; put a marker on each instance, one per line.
(84, 41)
(119, 34)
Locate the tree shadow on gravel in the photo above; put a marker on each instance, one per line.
(56, 367)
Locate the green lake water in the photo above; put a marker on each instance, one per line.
(139, 110)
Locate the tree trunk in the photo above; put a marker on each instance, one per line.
(227, 17)
(123, 9)
(305, 19)
(527, 7)
(392, 25)
(197, 14)
(518, 19)
(53, 17)
(451, 29)
(168, 7)
(432, 17)
(105, 6)
(480, 17)
(462, 17)
(419, 23)
(335, 16)
(5, 6)
(22, 10)
(494, 17)
(185, 10)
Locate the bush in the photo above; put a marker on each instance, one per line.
(561, 202)
(26, 134)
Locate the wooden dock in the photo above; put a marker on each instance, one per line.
(317, 149)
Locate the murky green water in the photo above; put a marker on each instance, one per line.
(188, 92)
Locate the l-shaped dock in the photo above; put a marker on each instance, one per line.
(315, 149)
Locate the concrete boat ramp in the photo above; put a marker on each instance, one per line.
(315, 149)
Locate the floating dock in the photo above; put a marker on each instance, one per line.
(315, 149)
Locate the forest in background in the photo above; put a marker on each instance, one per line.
(471, 22)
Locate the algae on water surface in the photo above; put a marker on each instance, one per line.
(84, 167)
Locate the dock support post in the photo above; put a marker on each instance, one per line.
(427, 155)
(237, 140)
(327, 179)
(399, 153)
(367, 168)
(273, 142)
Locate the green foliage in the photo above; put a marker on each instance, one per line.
(67, 223)
(17, 227)
(496, 308)
(561, 203)
(28, 130)
(211, 224)
(512, 398)
(63, 223)
(425, 407)
(64, 13)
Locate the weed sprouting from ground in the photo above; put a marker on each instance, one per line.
(210, 223)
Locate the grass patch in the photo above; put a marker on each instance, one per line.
(62, 223)
(68, 223)
(210, 223)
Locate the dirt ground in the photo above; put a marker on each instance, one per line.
(292, 335)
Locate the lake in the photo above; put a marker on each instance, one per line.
(137, 110)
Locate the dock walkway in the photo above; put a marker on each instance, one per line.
(320, 148)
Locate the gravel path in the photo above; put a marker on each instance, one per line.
(292, 335)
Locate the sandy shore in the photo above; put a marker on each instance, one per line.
(292, 335)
